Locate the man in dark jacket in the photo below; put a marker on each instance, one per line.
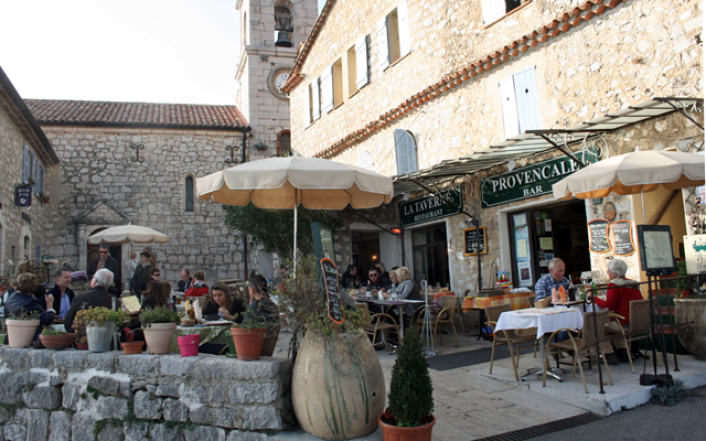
(103, 261)
(97, 296)
(63, 296)
(142, 274)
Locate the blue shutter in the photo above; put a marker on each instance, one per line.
(42, 179)
(25, 164)
(527, 101)
(406, 152)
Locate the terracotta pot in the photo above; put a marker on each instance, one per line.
(394, 433)
(57, 342)
(248, 342)
(81, 346)
(693, 335)
(132, 347)
(338, 386)
(21, 332)
(158, 337)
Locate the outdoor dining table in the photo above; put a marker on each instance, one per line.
(546, 321)
(217, 334)
(400, 303)
(517, 300)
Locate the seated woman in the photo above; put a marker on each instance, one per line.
(223, 303)
(260, 301)
(23, 302)
(617, 300)
(154, 296)
(198, 288)
(406, 289)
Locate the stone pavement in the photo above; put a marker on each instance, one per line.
(471, 404)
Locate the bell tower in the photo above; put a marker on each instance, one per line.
(269, 36)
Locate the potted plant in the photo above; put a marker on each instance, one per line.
(21, 328)
(409, 416)
(79, 326)
(57, 340)
(248, 336)
(44, 198)
(337, 379)
(159, 325)
(100, 327)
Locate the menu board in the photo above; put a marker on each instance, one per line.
(333, 290)
(598, 234)
(471, 241)
(622, 238)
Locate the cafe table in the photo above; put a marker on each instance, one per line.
(399, 303)
(546, 321)
(517, 300)
(217, 334)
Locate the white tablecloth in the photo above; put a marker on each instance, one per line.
(545, 320)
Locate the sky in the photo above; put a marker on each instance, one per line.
(166, 51)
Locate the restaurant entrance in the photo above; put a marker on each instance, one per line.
(365, 251)
(538, 235)
(431, 255)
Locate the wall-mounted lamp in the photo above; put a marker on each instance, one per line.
(510, 165)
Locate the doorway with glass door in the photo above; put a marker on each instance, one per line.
(431, 255)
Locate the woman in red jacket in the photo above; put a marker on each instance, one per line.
(618, 299)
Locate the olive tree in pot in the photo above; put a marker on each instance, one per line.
(409, 416)
(338, 387)
(159, 325)
(100, 327)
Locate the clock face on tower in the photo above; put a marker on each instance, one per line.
(278, 75)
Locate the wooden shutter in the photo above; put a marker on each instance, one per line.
(316, 107)
(25, 165)
(493, 10)
(509, 106)
(327, 90)
(36, 177)
(383, 48)
(309, 105)
(42, 179)
(361, 62)
(527, 101)
(406, 152)
(403, 27)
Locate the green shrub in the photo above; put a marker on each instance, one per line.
(410, 395)
(163, 314)
(102, 315)
(669, 395)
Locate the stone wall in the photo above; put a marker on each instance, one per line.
(100, 186)
(80, 396)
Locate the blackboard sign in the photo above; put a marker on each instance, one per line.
(622, 238)
(471, 241)
(23, 195)
(333, 290)
(598, 233)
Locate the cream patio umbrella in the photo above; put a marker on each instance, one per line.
(284, 183)
(633, 173)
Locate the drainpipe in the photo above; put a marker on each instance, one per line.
(245, 239)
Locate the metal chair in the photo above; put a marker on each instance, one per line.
(446, 316)
(639, 326)
(374, 323)
(511, 338)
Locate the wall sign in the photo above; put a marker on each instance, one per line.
(431, 207)
(23, 195)
(333, 290)
(622, 238)
(533, 180)
(470, 237)
(598, 236)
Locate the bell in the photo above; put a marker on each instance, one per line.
(283, 39)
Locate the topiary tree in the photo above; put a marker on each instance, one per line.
(410, 395)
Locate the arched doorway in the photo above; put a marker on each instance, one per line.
(115, 251)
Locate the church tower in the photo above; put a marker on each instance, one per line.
(270, 34)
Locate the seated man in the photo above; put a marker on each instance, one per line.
(155, 274)
(98, 295)
(350, 278)
(618, 301)
(186, 280)
(63, 295)
(555, 279)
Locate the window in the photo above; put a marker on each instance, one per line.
(520, 103)
(406, 151)
(189, 193)
(493, 10)
(284, 147)
(392, 34)
(41, 180)
(357, 59)
(283, 21)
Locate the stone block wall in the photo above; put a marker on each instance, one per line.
(80, 396)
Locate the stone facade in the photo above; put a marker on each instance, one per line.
(75, 395)
(99, 186)
(588, 62)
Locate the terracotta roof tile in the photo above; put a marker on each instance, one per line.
(104, 113)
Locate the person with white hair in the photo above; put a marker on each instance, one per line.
(97, 296)
(618, 299)
(555, 279)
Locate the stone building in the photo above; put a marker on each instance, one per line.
(449, 96)
(137, 163)
(27, 160)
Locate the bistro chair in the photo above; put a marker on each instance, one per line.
(512, 338)
(445, 317)
(375, 322)
(639, 326)
(583, 345)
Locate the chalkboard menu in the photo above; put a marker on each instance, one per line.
(598, 233)
(471, 241)
(333, 290)
(622, 238)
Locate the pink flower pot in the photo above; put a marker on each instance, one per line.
(189, 345)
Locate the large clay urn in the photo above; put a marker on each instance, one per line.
(338, 389)
(693, 335)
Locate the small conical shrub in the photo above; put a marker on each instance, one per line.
(410, 395)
